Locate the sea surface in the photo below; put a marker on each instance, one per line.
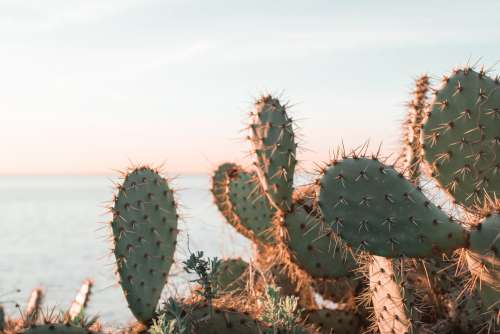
(54, 235)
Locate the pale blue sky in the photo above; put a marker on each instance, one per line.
(86, 86)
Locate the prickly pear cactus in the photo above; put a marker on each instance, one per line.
(224, 321)
(391, 315)
(483, 260)
(273, 140)
(58, 329)
(219, 182)
(2, 319)
(251, 209)
(333, 321)
(374, 208)
(276, 272)
(144, 233)
(309, 244)
(33, 306)
(342, 290)
(471, 317)
(412, 129)
(81, 300)
(461, 136)
(231, 275)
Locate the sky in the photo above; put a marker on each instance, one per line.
(89, 87)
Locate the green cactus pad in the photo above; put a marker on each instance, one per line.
(2, 319)
(273, 141)
(219, 182)
(333, 321)
(462, 136)
(471, 317)
(309, 241)
(483, 259)
(231, 275)
(251, 208)
(58, 329)
(374, 208)
(144, 233)
(224, 321)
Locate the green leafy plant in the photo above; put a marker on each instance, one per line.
(206, 270)
(173, 320)
(281, 312)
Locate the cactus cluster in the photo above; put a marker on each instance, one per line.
(365, 235)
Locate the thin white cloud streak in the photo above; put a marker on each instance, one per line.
(42, 16)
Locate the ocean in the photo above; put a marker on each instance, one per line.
(54, 236)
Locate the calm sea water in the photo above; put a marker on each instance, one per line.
(53, 236)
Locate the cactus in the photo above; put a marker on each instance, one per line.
(471, 318)
(2, 319)
(342, 290)
(58, 329)
(273, 142)
(387, 297)
(276, 272)
(483, 260)
(200, 319)
(33, 307)
(461, 136)
(373, 207)
(231, 275)
(219, 182)
(144, 232)
(238, 196)
(309, 245)
(412, 129)
(252, 212)
(78, 305)
(224, 321)
(333, 321)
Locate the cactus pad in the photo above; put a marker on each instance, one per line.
(309, 242)
(462, 136)
(333, 321)
(273, 140)
(224, 321)
(2, 319)
(387, 298)
(412, 129)
(219, 181)
(483, 259)
(144, 233)
(58, 329)
(231, 275)
(251, 208)
(374, 208)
